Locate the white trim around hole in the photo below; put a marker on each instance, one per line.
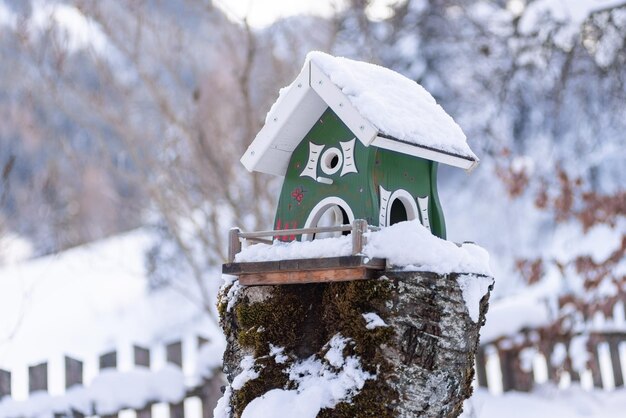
(412, 211)
(321, 208)
(422, 204)
(310, 169)
(327, 161)
(349, 165)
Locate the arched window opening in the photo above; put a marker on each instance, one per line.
(331, 211)
(333, 216)
(398, 212)
(402, 207)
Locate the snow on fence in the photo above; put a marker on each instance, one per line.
(592, 358)
(357, 229)
(140, 392)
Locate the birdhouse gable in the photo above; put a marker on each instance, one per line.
(380, 107)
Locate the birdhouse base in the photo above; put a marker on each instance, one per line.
(309, 270)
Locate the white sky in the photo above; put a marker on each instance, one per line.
(261, 13)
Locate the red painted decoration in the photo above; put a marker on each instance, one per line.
(298, 194)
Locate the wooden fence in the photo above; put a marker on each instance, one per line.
(513, 365)
(206, 392)
(508, 359)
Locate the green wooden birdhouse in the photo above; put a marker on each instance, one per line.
(356, 141)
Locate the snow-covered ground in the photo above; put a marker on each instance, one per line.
(94, 298)
(90, 300)
(547, 402)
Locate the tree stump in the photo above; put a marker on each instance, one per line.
(421, 359)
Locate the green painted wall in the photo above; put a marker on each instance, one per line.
(375, 167)
(437, 220)
(395, 171)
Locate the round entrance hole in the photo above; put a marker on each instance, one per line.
(331, 161)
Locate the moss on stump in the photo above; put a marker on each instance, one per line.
(423, 360)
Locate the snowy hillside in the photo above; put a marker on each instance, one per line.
(86, 301)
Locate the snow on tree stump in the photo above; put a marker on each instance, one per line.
(399, 345)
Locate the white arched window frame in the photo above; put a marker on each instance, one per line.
(321, 208)
(387, 201)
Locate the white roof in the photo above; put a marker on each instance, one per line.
(382, 107)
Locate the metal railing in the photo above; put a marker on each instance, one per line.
(357, 229)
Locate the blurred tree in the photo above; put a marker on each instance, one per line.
(157, 101)
(539, 90)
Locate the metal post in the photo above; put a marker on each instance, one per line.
(359, 226)
(234, 245)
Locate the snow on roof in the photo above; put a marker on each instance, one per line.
(396, 105)
(87, 300)
(380, 107)
(407, 244)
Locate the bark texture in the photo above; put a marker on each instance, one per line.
(423, 359)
